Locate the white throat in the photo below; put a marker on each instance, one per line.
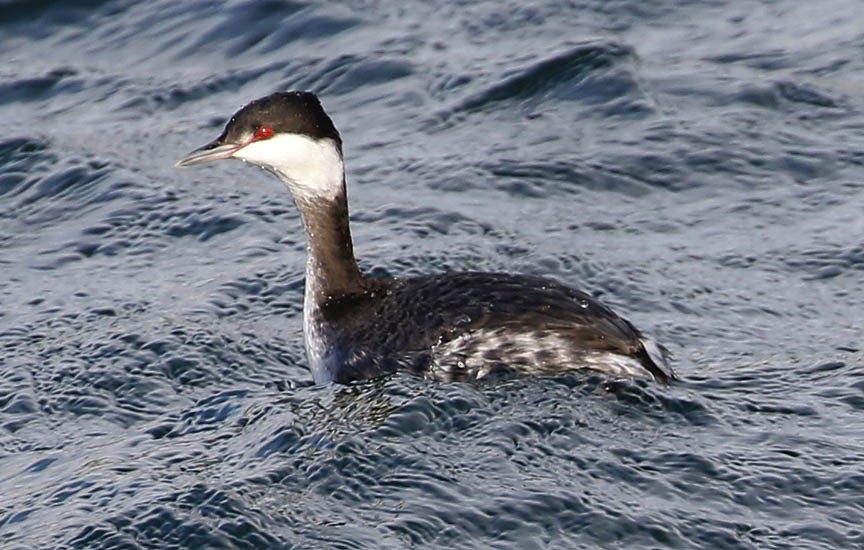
(312, 169)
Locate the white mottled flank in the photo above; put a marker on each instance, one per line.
(312, 168)
(532, 353)
(615, 364)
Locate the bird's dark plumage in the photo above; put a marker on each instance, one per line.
(453, 326)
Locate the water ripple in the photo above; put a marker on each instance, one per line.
(698, 166)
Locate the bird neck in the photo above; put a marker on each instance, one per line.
(331, 269)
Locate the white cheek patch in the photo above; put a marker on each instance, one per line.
(311, 168)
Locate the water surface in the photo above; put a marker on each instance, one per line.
(698, 166)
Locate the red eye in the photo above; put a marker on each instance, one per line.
(263, 132)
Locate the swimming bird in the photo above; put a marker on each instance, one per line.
(449, 326)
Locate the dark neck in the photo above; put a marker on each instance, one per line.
(331, 269)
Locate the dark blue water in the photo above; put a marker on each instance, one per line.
(699, 166)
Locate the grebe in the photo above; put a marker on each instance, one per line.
(451, 326)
